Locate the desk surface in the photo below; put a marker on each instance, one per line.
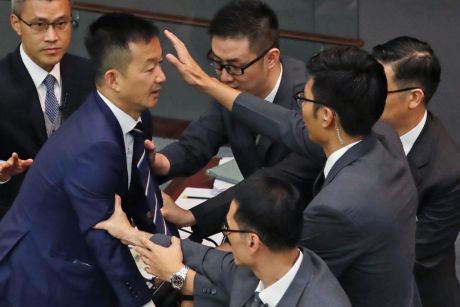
(198, 180)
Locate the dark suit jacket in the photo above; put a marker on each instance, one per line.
(314, 285)
(22, 124)
(362, 222)
(435, 163)
(218, 127)
(49, 253)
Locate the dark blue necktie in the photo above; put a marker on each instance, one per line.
(255, 301)
(51, 102)
(150, 187)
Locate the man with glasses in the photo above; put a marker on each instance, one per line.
(244, 52)
(413, 74)
(40, 86)
(362, 219)
(265, 268)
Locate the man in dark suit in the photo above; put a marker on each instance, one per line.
(29, 113)
(49, 253)
(244, 52)
(362, 222)
(265, 260)
(413, 74)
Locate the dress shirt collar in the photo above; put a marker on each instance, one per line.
(127, 123)
(270, 97)
(335, 156)
(273, 294)
(408, 139)
(37, 73)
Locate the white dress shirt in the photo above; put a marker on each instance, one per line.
(38, 75)
(271, 96)
(408, 139)
(127, 123)
(335, 156)
(273, 294)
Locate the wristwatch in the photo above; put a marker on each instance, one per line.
(178, 278)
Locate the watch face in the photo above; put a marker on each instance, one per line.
(177, 281)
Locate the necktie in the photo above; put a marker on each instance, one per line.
(51, 103)
(255, 301)
(142, 165)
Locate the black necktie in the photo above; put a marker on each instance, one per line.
(152, 193)
(255, 301)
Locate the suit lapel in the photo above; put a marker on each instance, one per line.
(243, 290)
(30, 101)
(284, 97)
(298, 285)
(351, 155)
(419, 156)
(117, 132)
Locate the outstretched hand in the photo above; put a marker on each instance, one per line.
(13, 166)
(118, 225)
(192, 73)
(187, 67)
(161, 261)
(175, 214)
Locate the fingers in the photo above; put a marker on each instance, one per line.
(149, 145)
(177, 43)
(118, 203)
(147, 244)
(101, 225)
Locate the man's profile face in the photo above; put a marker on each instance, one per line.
(311, 119)
(237, 51)
(396, 104)
(238, 241)
(46, 48)
(140, 82)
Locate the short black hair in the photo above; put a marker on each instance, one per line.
(413, 61)
(252, 19)
(353, 84)
(108, 38)
(272, 208)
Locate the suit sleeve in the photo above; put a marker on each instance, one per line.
(281, 124)
(299, 171)
(197, 145)
(91, 185)
(331, 235)
(438, 225)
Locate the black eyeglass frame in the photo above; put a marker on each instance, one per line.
(57, 26)
(405, 89)
(219, 66)
(300, 99)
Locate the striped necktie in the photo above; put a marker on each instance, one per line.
(151, 190)
(255, 301)
(51, 103)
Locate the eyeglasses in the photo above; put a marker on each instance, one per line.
(403, 90)
(233, 69)
(300, 99)
(226, 231)
(41, 26)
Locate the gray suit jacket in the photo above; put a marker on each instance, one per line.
(435, 165)
(362, 222)
(314, 285)
(217, 127)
